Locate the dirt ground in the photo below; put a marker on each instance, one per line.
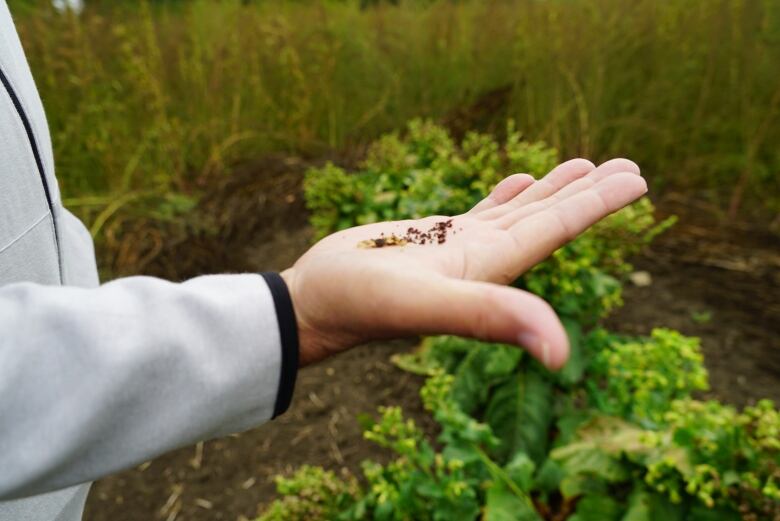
(719, 282)
(715, 280)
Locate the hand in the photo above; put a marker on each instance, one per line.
(345, 295)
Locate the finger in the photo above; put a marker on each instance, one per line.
(504, 191)
(547, 230)
(580, 185)
(559, 177)
(604, 170)
(618, 164)
(491, 313)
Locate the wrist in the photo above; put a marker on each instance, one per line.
(306, 337)
(288, 277)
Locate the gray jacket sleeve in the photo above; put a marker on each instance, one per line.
(96, 380)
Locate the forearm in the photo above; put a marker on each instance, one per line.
(93, 381)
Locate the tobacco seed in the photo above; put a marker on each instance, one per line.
(413, 235)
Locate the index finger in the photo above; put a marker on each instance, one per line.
(545, 231)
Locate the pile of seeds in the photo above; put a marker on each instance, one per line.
(435, 235)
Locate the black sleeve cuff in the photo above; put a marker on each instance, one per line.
(288, 332)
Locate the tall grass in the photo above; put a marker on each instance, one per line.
(148, 100)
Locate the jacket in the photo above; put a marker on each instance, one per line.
(97, 378)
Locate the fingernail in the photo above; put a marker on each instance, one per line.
(533, 343)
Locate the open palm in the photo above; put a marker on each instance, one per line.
(345, 295)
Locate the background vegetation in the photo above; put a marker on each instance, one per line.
(150, 102)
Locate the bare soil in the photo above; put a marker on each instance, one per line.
(719, 281)
(713, 279)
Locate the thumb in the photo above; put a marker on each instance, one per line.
(492, 313)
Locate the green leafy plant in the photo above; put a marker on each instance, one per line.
(616, 435)
(456, 483)
(639, 378)
(312, 493)
(533, 449)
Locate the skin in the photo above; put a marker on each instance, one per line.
(344, 295)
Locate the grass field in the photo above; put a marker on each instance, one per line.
(150, 102)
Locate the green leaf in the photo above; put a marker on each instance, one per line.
(700, 512)
(550, 475)
(601, 443)
(582, 485)
(461, 451)
(503, 505)
(574, 369)
(520, 414)
(592, 461)
(597, 507)
(521, 470)
(569, 424)
(609, 434)
(356, 512)
(445, 352)
(416, 362)
(429, 489)
(462, 508)
(384, 511)
(501, 359)
(644, 505)
(730, 478)
(483, 367)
